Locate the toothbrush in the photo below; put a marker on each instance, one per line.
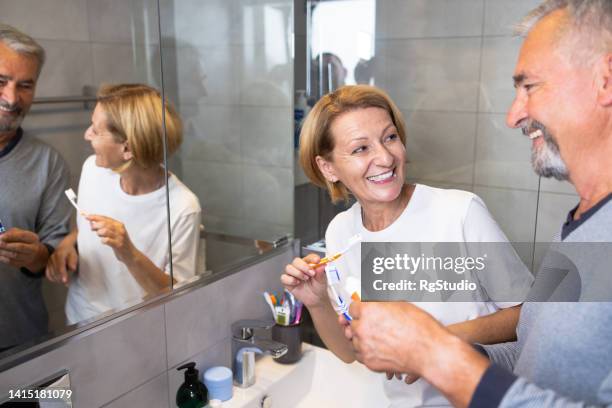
(298, 313)
(268, 299)
(354, 240)
(72, 197)
(290, 299)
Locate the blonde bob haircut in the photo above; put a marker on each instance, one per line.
(316, 138)
(134, 115)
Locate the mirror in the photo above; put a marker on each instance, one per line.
(227, 71)
(68, 130)
(229, 67)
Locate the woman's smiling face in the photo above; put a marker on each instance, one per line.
(109, 153)
(369, 157)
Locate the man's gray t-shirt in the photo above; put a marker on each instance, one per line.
(33, 178)
(563, 355)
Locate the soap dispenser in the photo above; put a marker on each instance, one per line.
(192, 393)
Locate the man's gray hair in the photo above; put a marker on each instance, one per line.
(589, 24)
(22, 43)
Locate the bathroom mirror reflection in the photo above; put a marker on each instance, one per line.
(225, 131)
(228, 65)
(75, 127)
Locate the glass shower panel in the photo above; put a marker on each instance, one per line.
(228, 66)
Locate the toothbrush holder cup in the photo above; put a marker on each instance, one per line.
(291, 336)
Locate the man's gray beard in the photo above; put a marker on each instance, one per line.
(546, 160)
(10, 125)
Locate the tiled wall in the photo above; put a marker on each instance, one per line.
(448, 64)
(233, 71)
(131, 361)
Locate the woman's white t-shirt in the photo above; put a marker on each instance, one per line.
(103, 283)
(432, 215)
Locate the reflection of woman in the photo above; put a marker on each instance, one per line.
(354, 141)
(122, 241)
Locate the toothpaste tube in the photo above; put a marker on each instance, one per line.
(333, 279)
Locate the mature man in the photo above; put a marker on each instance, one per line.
(563, 356)
(33, 178)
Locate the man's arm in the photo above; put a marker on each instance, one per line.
(521, 393)
(400, 337)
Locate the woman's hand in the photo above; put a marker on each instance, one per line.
(408, 378)
(308, 285)
(63, 260)
(114, 234)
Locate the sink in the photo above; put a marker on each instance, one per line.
(319, 379)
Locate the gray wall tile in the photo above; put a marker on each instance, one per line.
(440, 146)
(153, 394)
(137, 63)
(514, 211)
(267, 197)
(433, 74)
(121, 21)
(202, 318)
(206, 74)
(211, 133)
(68, 68)
(133, 346)
(503, 155)
(554, 186)
(210, 24)
(68, 17)
(502, 15)
(428, 18)
(217, 185)
(196, 321)
(265, 138)
(499, 55)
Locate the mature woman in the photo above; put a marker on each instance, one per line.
(353, 141)
(122, 241)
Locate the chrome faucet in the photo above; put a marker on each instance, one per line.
(243, 335)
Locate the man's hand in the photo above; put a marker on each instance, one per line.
(393, 337)
(114, 234)
(399, 337)
(22, 249)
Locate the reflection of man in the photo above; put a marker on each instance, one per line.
(33, 179)
(327, 75)
(563, 355)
